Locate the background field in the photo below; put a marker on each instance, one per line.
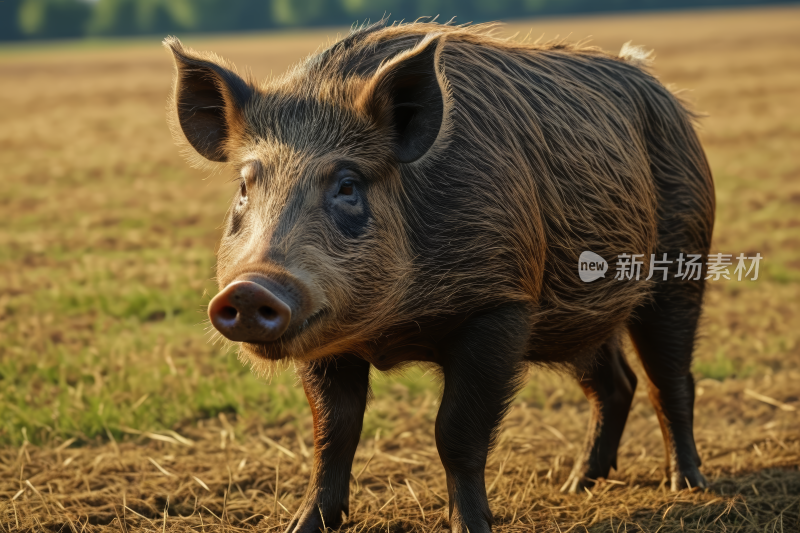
(116, 411)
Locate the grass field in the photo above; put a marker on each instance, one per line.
(116, 413)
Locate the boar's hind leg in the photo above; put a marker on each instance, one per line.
(609, 387)
(663, 332)
(337, 393)
(483, 368)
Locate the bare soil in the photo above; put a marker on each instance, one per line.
(211, 478)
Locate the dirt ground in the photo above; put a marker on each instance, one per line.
(84, 453)
(212, 478)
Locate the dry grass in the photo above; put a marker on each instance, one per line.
(106, 250)
(210, 477)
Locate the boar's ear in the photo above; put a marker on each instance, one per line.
(207, 102)
(405, 96)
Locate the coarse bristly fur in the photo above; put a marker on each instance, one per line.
(522, 157)
(546, 150)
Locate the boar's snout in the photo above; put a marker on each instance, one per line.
(245, 311)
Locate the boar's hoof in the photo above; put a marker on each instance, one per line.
(309, 518)
(475, 524)
(689, 479)
(577, 482)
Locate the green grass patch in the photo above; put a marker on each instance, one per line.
(107, 252)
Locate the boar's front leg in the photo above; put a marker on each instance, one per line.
(337, 392)
(483, 368)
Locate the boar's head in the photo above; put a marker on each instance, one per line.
(315, 259)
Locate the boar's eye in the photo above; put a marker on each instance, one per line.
(346, 203)
(247, 177)
(346, 187)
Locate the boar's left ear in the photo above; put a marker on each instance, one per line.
(208, 101)
(405, 96)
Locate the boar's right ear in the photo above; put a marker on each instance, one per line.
(406, 96)
(207, 102)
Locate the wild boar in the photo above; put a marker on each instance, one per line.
(422, 193)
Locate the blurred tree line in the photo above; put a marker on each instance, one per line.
(59, 19)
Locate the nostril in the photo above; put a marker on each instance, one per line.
(245, 311)
(228, 312)
(267, 312)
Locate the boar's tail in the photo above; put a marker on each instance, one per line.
(637, 55)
